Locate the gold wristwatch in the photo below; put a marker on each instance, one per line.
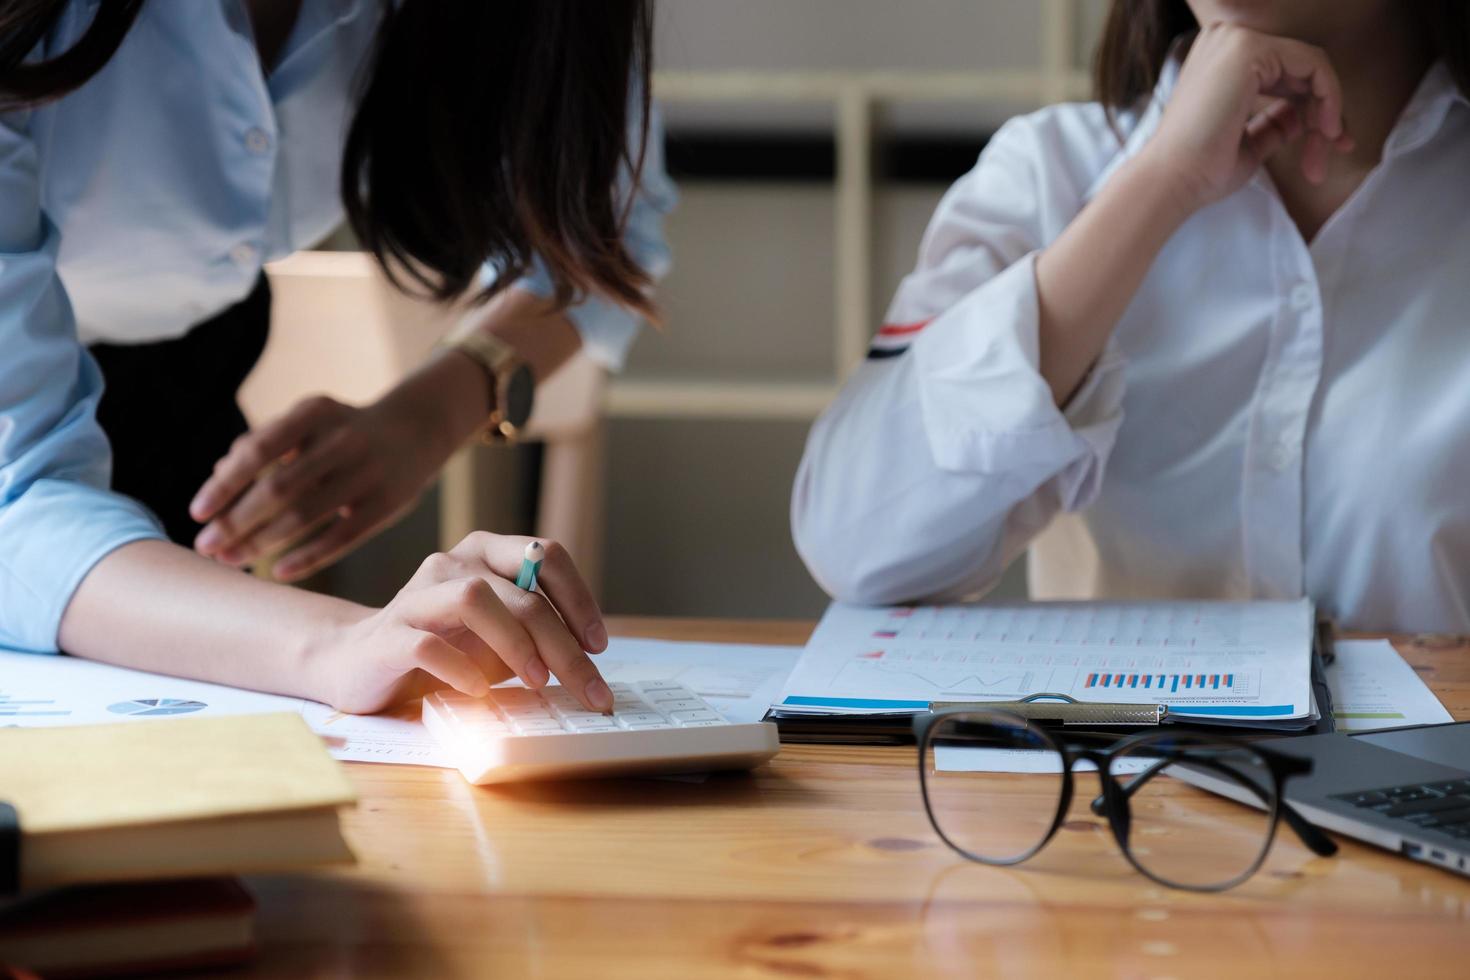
(512, 389)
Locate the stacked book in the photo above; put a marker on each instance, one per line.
(119, 844)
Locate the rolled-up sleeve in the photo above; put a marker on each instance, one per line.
(945, 454)
(607, 328)
(57, 516)
(986, 407)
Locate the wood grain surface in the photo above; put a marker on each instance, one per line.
(820, 864)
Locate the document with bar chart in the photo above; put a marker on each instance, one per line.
(1245, 662)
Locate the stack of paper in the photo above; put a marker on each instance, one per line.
(740, 681)
(1245, 663)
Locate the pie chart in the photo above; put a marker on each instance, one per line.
(156, 706)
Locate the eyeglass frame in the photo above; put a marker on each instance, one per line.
(1113, 802)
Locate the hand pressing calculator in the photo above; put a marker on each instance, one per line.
(519, 734)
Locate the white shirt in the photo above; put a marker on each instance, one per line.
(1270, 419)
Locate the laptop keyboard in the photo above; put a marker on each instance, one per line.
(1444, 807)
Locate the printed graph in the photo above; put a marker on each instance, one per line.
(949, 676)
(16, 708)
(1241, 683)
(943, 673)
(151, 707)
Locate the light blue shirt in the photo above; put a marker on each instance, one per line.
(143, 203)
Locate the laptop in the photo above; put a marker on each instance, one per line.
(1403, 789)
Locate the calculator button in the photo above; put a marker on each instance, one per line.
(648, 686)
(524, 725)
(527, 711)
(702, 714)
(641, 718)
(620, 687)
(592, 724)
(469, 710)
(514, 695)
(688, 704)
(700, 724)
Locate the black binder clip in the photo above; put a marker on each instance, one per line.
(9, 850)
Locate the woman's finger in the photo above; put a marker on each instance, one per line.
(569, 593)
(559, 579)
(557, 647)
(1272, 128)
(318, 502)
(354, 523)
(494, 669)
(437, 656)
(284, 487)
(1309, 63)
(256, 450)
(472, 604)
(1314, 157)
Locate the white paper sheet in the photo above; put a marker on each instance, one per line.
(960, 759)
(1215, 660)
(1372, 687)
(39, 690)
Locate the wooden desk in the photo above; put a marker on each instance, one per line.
(820, 865)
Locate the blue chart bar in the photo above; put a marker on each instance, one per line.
(1172, 682)
(29, 709)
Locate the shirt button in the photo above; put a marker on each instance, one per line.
(1283, 455)
(257, 141)
(243, 254)
(1302, 296)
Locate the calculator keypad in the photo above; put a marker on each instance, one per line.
(553, 710)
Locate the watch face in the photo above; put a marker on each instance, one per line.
(519, 392)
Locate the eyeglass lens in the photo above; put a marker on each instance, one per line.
(1174, 832)
(1187, 837)
(990, 819)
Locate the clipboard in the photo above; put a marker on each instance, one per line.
(895, 728)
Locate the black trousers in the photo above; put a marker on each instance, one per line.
(169, 407)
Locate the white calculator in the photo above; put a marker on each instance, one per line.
(518, 734)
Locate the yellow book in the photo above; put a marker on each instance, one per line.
(177, 798)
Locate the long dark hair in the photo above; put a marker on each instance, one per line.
(24, 23)
(1139, 33)
(485, 130)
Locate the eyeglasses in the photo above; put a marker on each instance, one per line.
(1182, 840)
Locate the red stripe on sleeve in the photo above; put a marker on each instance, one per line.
(900, 329)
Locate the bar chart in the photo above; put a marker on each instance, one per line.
(1234, 683)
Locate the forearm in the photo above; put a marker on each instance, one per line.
(155, 606)
(1087, 277)
(451, 393)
